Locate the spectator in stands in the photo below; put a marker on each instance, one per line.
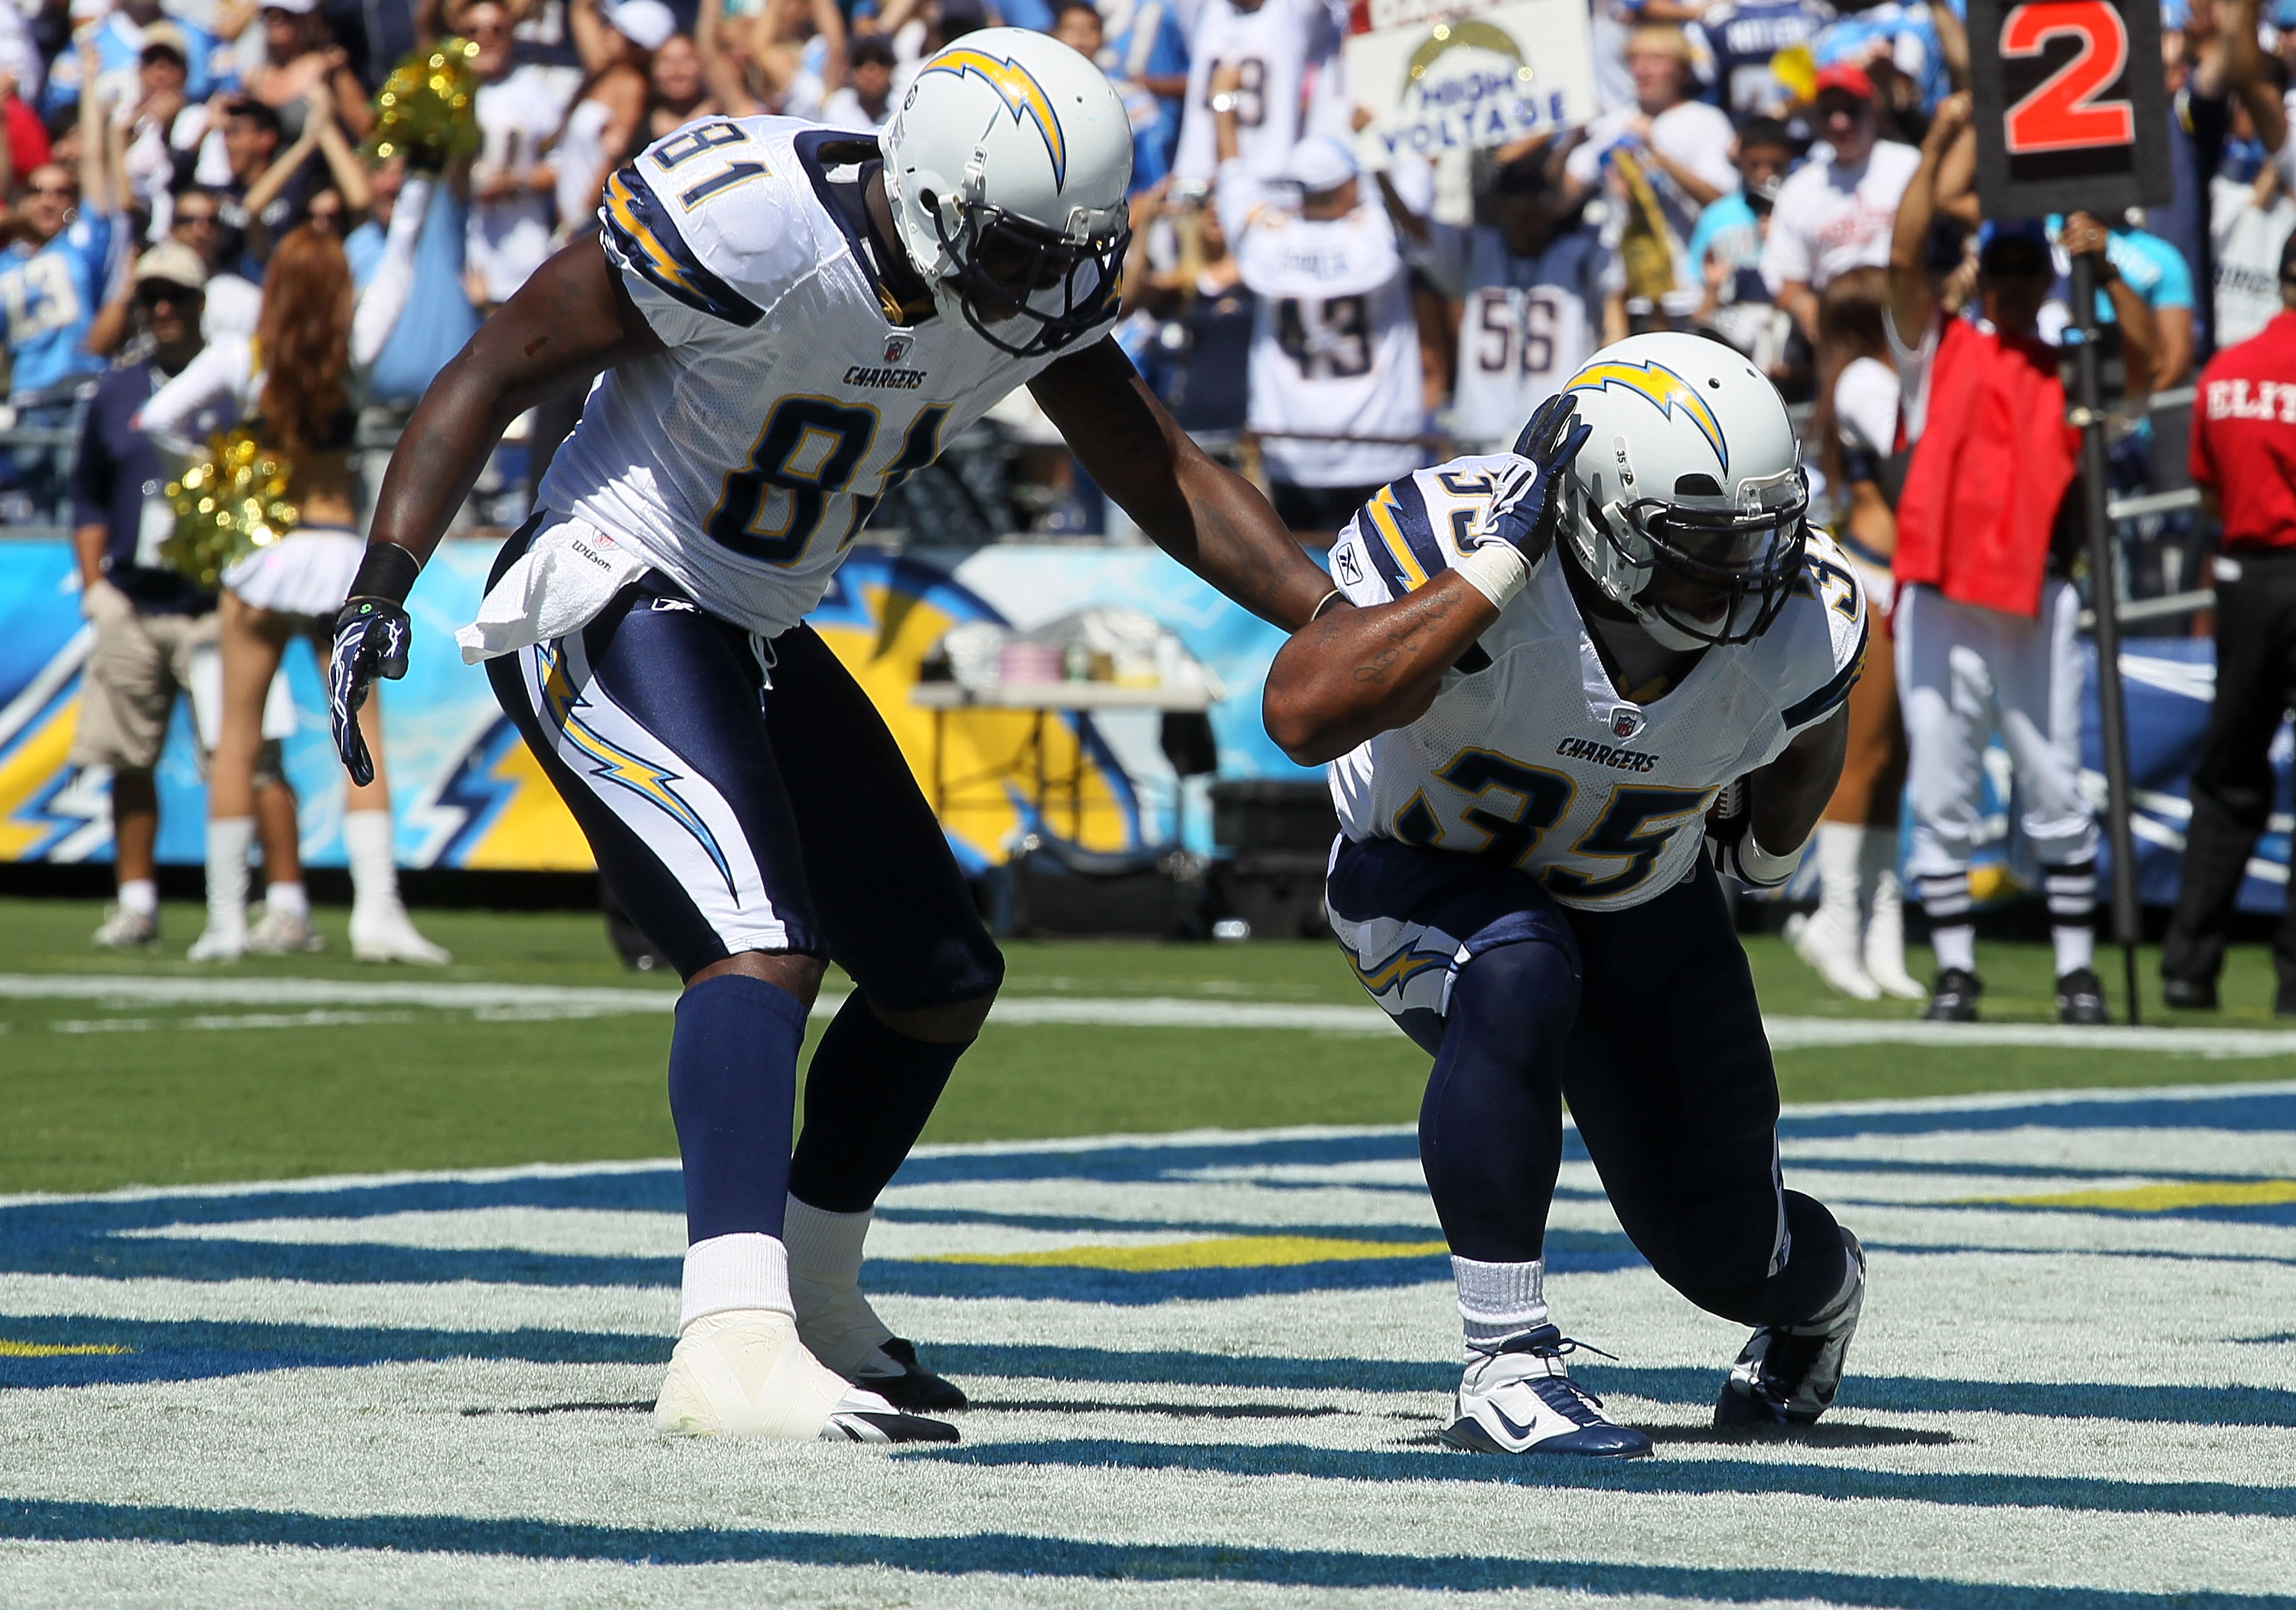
(1335, 375)
(677, 93)
(1742, 40)
(1683, 146)
(299, 55)
(520, 110)
(1726, 251)
(2250, 217)
(53, 274)
(1902, 48)
(790, 54)
(2157, 273)
(1280, 51)
(1985, 612)
(1148, 44)
(231, 300)
(119, 35)
(1078, 27)
(22, 72)
(1528, 289)
(149, 617)
(413, 319)
(866, 100)
(2243, 460)
(250, 144)
(1835, 213)
(320, 163)
(295, 386)
(1856, 939)
(607, 125)
(159, 100)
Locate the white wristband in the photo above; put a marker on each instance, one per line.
(1764, 868)
(1498, 570)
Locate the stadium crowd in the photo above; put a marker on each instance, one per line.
(189, 186)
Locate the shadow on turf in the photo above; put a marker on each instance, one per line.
(1825, 1434)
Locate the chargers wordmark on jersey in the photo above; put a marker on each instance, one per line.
(1535, 761)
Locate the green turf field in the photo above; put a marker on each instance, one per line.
(100, 1091)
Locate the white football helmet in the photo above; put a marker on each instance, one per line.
(1007, 166)
(1687, 504)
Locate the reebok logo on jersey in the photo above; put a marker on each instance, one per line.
(885, 379)
(1603, 754)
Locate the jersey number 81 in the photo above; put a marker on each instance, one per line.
(807, 454)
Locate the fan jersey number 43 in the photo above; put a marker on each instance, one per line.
(741, 459)
(1535, 761)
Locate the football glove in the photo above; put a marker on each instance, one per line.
(371, 635)
(1526, 507)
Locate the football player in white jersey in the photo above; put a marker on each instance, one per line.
(1578, 679)
(783, 322)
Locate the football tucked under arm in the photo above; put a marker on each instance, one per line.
(1759, 827)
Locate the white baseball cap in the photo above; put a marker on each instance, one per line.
(647, 24)
(300, 8)
(1321, 163)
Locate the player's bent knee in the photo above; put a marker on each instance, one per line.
(799, 975)
(952, 1025)
(1527, 987)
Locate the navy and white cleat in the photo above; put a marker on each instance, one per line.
(845, 1333)
(1518, 1397)
(906, 1383)
(1788, 1374)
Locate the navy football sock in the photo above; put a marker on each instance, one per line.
(733, 1082)
(1490, 1129)
(866, 1100)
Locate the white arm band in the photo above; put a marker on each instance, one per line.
(1498, 570)
(1765, 869)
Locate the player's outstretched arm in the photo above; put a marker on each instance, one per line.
(569, 322)
(1357, 673)
(1209, 518)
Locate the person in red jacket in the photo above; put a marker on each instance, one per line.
(1985, 617)
(2243, 460)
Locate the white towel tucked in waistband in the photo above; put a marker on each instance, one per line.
(567, 575)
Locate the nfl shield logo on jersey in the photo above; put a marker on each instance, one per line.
(1625, 721)
(897, 346)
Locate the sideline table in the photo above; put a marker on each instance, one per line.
(1040, 700)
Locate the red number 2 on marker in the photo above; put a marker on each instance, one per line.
(2058, 114)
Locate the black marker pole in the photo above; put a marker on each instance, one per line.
(2104, 602)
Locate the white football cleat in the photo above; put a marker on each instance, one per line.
(744, 1373)
(126, 930)
(386, 933)
(218, 943)
(841, 1330)
(1831, 955)
(282, 933)
(1885, 942)
(1518, 1397)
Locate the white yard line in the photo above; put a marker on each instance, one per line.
(533, 1001)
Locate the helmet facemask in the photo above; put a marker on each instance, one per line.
(1700, 576)
(1011, 277)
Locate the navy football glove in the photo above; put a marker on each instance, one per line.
(1527, 506)
(371, 640)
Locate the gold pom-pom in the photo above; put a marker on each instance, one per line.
(228, 506)
(427, 108)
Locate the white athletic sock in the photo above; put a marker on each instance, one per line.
(229, 838)
(288, 899)
(1499, 1300)
(1841, 847)
(745, 1271)
(139, 897)
(2076, 947)
(825, 1248)
(1956, 946)
(375, 871)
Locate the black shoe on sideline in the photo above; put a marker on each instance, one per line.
(2190, 994)
(2284, 1005)
(2080, 998)
(1953, 999)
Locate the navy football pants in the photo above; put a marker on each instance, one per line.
(746, 796)
(1645, 1019)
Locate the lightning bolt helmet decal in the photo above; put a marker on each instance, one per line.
(1665, 389)
(1022, 95)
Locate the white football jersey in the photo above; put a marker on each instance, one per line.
(1334, 348)
(742, 459)
(1535, 760)
(1526, 324)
